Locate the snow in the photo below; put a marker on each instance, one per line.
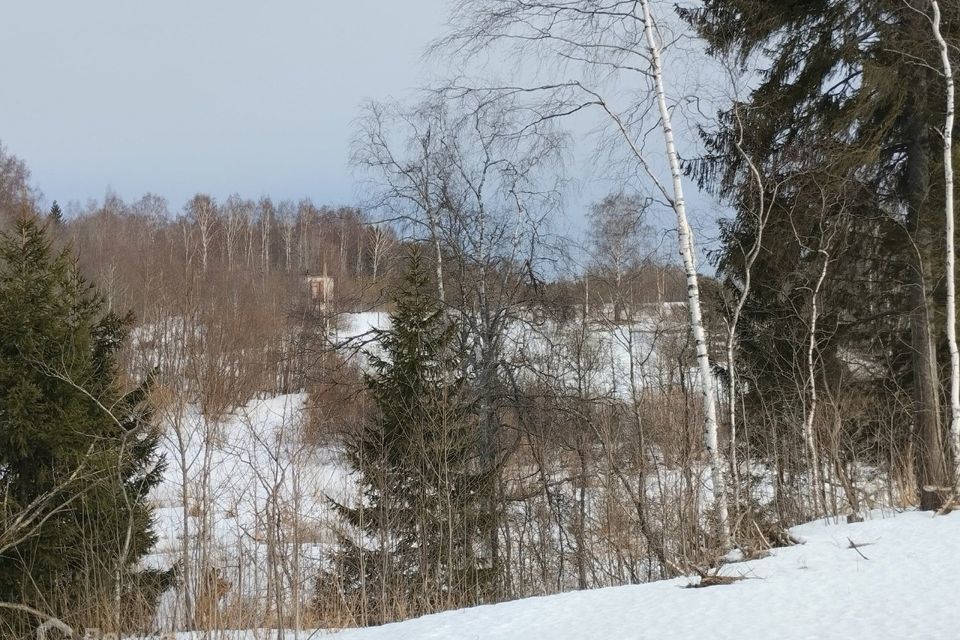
(539, 348)
(888, 577)
(899, 582)
(354, 325)
(257, 461)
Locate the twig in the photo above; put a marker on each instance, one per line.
(856, 547)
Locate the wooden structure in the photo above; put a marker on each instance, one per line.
(320, 289)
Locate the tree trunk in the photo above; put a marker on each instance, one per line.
(809, 435)
(931, 464)
(949, 232)
(693, 289)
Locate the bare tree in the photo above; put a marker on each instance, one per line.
(501, 188)
(234, 219)
(204, 213)
(616, 224)
(267, 212)
(809, 435)
(605, 44)
(17, 195)
(307, 219)
(381, 239)
(287, 218)
(400, 153)
(950, 250)
(765, 194)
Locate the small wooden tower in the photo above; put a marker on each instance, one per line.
(320, 289)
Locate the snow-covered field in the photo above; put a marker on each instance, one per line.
(597, 357)
(266, 489)
(889, 578)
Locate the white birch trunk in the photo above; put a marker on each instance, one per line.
(265, 239)
(685, 236)
(205, 244)
(438, 251)
(819, 504)
(732, 405)
(950, 250)
(749, 259)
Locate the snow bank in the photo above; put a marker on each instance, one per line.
(899, 582)
(889, 578)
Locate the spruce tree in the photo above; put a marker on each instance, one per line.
(844, 120)
(76, 448)
(56, 214)
(408, 547)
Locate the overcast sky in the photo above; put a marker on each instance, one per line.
(181, 96)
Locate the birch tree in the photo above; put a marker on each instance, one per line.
(397, 151)
(809, 434)
(603, 48)
(380, 240)
(949, 232)
(307, 220)
(499, 191)
(758, 195)
(203, 211)
(287, 219)
(266, 211)
(233, 227)
(616, 223)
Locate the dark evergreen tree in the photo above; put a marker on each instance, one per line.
(409, 545)
(75, 448)
(56, 214)
(845, 122)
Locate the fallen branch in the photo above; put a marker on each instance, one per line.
(856, 547)
(49, 622)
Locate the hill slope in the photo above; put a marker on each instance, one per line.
(901, 581)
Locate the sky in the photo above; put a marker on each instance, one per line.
(177, 97)
(219, 96)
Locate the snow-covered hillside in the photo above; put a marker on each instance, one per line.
(268, 498)
(270, 526)
(889, 578)
(596, 357)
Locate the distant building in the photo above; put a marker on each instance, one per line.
(321, 290)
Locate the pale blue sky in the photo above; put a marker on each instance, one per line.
(181, 96)
(221, 96)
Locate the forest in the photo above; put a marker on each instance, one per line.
(280, 414)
